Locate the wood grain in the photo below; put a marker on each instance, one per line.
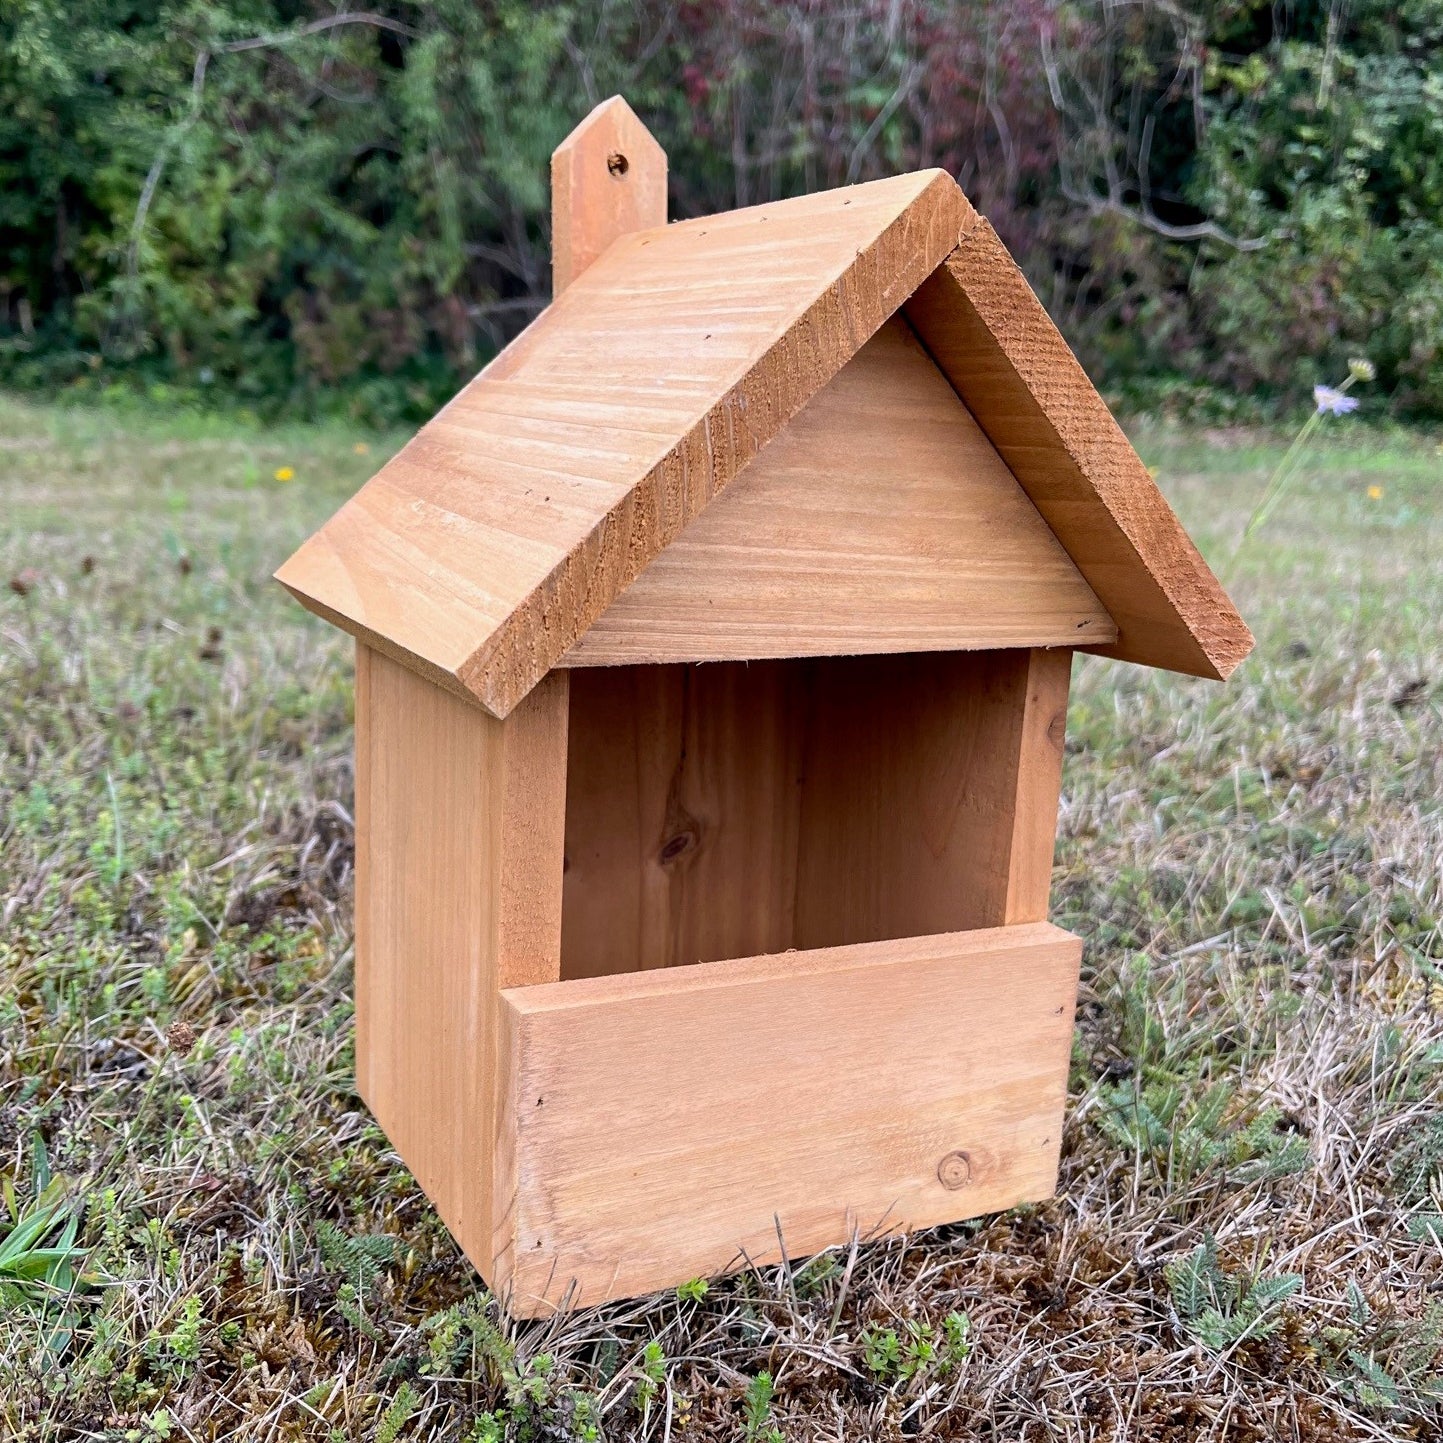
(459, 826)
(728, 809)
(880, 519)
(683, 800)
(996, 344)
(925, 786)
(488, 546)
(1037, 787)
(608, 177)
(668, 1124)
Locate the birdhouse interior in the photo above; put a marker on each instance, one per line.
(732, 809)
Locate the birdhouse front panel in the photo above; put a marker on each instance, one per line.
(713, 651)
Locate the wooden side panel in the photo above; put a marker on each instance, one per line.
(881, 519)
(458, 894)
(682, 809)
(1038, 787)
(608, 177)
(913, 815)
(728, 810)
(488, 546)
(996, 344)
(669, 1123)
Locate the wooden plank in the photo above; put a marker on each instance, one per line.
(681, 818)
(608, 177)
(726, 810)
(996, 344)
(911, 818)
(880, 519)
(668, 1123)
(459, 821)
(490, 544)
(1037, 786)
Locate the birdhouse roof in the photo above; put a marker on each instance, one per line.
(491, 544)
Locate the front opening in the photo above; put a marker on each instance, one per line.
(729, 809)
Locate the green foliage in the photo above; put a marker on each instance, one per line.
(692, 1292)
(39, 1254)
(652, 1370)
(1168, 1114)
(253, 201)
(1182, 1133)
(177, 1349)
(918, 1349)
(757, 1411)
(403, 1406)
(1417, 1165)
(1221, 1309)
(360, 1259)
(1328, 142)
(1385, 1365)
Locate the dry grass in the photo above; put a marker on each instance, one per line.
(1241, 1244)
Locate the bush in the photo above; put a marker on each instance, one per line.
(292, 208)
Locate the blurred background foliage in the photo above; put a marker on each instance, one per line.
(295, 207)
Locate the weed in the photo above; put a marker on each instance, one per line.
(757, 1411)
(1183, 1135)
(652, 1370)
(398, 1414)
(899, 1356)
(1385, 1364)
(1221, 1309)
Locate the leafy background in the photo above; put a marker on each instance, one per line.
(294, 208)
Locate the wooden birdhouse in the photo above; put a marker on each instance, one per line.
(712, 665)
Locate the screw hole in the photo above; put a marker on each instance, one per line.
(617, 164)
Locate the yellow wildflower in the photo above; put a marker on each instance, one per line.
(360, 448)
(285, 473)
(1375, 493)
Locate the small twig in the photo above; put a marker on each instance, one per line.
(314, 27)
(843, 1286)
(1112, 203)
(905, 86)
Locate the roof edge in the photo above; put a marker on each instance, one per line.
(854, 304)
(437, 675)
(1009, 364)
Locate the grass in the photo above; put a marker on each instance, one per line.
(1248, 1236)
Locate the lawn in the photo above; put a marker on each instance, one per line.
(1248, 1236)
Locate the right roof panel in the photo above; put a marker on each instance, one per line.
(993, 340)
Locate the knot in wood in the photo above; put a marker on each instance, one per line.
(678, 846)
(617, 164)
(955, 1171)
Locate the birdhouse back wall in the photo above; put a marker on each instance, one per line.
(737, 809)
